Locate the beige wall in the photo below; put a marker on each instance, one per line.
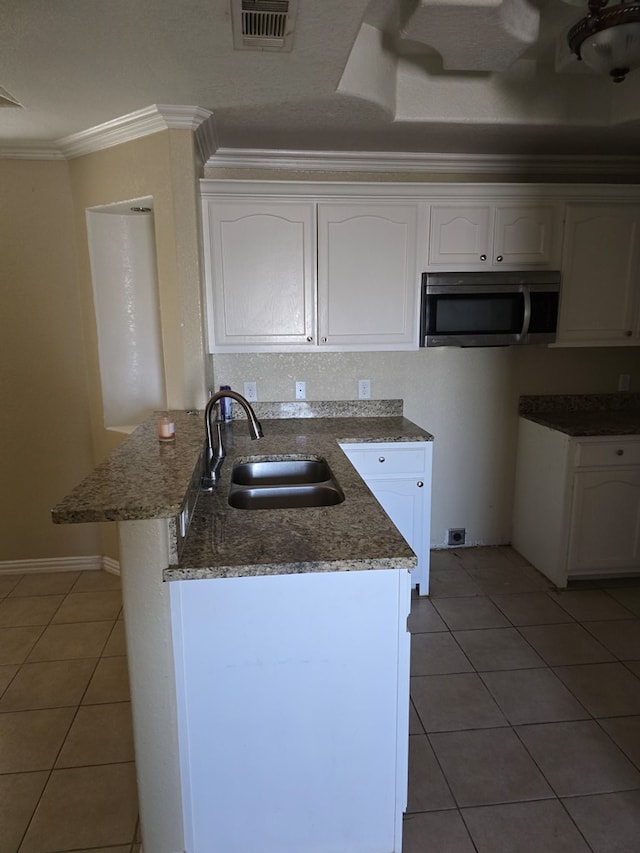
(468, 399)
(44, 417)
(51, 424)
(161, 166)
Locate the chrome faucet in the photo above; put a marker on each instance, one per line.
(213, 459)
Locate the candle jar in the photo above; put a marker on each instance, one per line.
(166, 429)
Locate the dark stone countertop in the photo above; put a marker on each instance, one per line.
(146, 479)
(582, 415)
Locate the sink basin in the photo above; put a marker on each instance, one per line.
(280, 472)
(283, 484)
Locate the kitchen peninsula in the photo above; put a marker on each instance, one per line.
(268, 650)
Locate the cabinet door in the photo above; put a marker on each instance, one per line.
(399, 475)
(460, 235)
(293, 710)
(405, 502)
(525, 235)
(605, 521)
(492, 236)
(259, 265)
(368, 284)
(600, 275)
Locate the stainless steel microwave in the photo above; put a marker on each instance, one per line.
(486, 309)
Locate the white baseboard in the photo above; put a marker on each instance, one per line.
(60, 564)
(113, 567)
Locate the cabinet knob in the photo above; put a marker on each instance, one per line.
(420, 484)
(628, 333)
(483, 257)
(323, 340)
(309, 338)
(381, 459)
(619, 452)
(499, 259)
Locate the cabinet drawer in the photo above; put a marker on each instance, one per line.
(383, 460)
(622, 451)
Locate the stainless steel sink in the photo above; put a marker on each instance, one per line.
(283, 484)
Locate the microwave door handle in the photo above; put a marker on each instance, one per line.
(526, 320)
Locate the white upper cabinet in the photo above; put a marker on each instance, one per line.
(260, 271)
(262, 264)
(601, 275)
(293, 266)
(368, 284)
(487, 235)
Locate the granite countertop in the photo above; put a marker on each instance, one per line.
(582, 415)
(145, 479)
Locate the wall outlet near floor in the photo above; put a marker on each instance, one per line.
(251, 392)
(456, 535)
(364, 389)
(623, 382)
(301, 390)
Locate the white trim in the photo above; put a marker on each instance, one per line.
(132, 126)
(427, 191)
(469, 164)
(60, 564)
(158, 117)
(206, 138)
(111, 566)
(30, 151)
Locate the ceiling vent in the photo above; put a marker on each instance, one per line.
(263, 24)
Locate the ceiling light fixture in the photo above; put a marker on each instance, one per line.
(608, 40)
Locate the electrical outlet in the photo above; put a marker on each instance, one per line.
(364, 389)
(251, 391)
(623, 382)
(456, 536)
(301, 390)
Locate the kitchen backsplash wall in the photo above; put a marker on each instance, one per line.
(468, 398)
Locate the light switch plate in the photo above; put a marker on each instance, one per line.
(301, 390)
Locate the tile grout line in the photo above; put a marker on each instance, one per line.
(546, 666)
(64, 739)
(77, 707)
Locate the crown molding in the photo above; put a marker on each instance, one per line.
(206, 138)
(30, 151)
(126, 128)
(364, 161)
(135, 125)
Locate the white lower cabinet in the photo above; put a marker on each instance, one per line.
(605, 521)
(399, 475)
(577, 503)
(293, 711)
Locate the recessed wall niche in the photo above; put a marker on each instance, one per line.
(122, 252)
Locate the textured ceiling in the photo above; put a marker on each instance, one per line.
(463, 76)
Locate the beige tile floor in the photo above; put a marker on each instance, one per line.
(525, 715)
(67, 772)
